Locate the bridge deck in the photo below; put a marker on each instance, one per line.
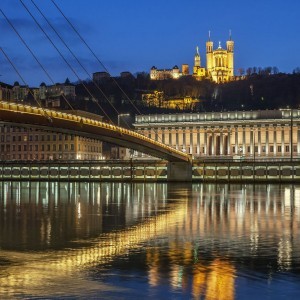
(59, 121)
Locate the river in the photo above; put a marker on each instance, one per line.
(149, 240)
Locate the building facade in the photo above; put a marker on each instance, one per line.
(17, 143)
(6, 92)
(249, 134)
(220, 62)
(162, 74)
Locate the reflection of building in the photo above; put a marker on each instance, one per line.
(246, 133)
(196, 240)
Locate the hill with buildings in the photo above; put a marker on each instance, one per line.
(122, 94)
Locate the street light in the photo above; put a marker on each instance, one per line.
(253, 131)
(291, 135)
(119, 119)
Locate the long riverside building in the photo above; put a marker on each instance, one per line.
(252, 134)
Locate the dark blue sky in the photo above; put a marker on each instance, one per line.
(134, 35)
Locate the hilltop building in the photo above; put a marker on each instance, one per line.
(219, 62)
(219, 65)
(162, 74)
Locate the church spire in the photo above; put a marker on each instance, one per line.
(209, 35)
(197, 58)
(230, 35)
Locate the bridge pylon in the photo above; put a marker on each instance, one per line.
(180, 171)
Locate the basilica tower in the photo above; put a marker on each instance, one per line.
(220, 62)
(198, 71)
(197, 58)
(209, 54)
(230, 49)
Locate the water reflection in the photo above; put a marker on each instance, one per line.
(196, 240)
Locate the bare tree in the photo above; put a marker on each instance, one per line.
(275, 70)
(241, 71)
(249, 71)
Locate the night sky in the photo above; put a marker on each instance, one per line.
(134, 35)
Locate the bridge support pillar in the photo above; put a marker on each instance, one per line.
(180, 171)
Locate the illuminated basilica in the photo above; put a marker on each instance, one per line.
(219, 65)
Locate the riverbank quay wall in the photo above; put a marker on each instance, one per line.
(230, 171)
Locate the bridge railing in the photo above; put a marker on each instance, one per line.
(10, 106)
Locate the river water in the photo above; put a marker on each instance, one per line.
(149, 241)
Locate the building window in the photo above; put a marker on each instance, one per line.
(48, 147)
(66, 146)
(54, 147)
(36, 148)
(72, 147)
(287, 148)
(279, 149)
(271, 148)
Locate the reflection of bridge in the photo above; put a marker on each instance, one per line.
(242, 215)
(57, 121)
(64, 265)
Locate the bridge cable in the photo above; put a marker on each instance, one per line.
(95, 56)
(34, 56)
(75, 57)
(62, 56)
(101, 63)
(24, 82)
